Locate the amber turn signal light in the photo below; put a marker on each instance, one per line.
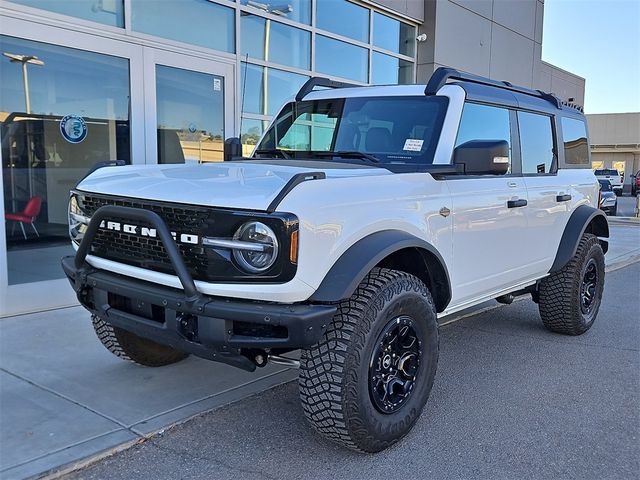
(293, 251)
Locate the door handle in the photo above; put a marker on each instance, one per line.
(563, 198)
(520, 202)
(512, 184)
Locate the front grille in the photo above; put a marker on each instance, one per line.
(145, 252)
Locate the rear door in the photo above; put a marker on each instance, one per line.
(548, 190)
(489, 226)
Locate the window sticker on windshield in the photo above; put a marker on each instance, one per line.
(413, 145)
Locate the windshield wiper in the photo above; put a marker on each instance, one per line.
(267, 151)
(348, 154)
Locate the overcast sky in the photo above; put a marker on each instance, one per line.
(600, 41)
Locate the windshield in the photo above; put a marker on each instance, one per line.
(606, 171)
(605, 185)
(381, 131)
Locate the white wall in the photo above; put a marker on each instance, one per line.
(500, 39)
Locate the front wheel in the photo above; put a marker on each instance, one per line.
(365, 383)
(570, 298)
(127, 346)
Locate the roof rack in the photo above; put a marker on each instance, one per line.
(314, 82)
(443, 74)
(570, 104)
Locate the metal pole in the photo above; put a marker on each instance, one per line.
(265, 72)
(25, 81)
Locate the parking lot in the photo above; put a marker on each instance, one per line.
(511, 400)
(67, 402)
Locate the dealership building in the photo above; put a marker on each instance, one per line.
(615, 143)
(166, 81)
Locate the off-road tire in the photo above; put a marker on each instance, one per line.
(127, 346)
(334, 374)
(560, 293)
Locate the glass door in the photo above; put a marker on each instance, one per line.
(64, 106)
(189, 108)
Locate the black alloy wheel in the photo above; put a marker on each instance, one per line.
(394, 365)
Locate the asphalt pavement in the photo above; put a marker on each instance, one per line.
(511, 400)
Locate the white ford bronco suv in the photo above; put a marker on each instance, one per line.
(363, 215)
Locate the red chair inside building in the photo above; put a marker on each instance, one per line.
(27, 215)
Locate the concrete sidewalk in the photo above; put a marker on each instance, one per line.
(64, 398)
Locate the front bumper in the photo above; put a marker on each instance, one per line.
(216, 328)
(211, 327)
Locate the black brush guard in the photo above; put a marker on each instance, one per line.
(216, 328)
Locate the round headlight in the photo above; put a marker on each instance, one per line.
(262, 254)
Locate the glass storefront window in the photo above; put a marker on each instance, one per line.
(341, 59)
(296, 10)
(198, 22)
(393, 35)
(190, 112)
(73, 113)
(265, 39)
(388, 70)
(267, 98)
(344, 18)
(110, 12)
(250, 132)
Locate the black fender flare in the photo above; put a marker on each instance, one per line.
(583, 219)
(361, 257)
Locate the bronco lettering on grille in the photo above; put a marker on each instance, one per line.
(147, 232)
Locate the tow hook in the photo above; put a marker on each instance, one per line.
(261, 359)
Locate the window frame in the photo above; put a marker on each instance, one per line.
(514, 142)
(555, 161)
(561, 151)
(516, 146)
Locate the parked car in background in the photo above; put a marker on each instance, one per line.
(635, 183)
(613, 176)
(608, 199)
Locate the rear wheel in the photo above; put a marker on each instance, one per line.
(127, 346)
(570, 298)
(365, 383)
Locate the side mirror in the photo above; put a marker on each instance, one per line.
(232, 148)
(483, 157)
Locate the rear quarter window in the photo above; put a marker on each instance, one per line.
(576, 143)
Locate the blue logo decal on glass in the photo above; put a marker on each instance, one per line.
(73, 128)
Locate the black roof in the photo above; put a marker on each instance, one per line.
(498, 92)
(477, 88)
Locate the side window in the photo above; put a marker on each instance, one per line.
(536, 143)
(576, 145)
(482, 122)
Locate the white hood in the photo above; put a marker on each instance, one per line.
(244, 185)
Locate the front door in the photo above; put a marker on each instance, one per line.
(189, 107)
(489, 214)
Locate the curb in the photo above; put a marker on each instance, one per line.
(632, 221)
